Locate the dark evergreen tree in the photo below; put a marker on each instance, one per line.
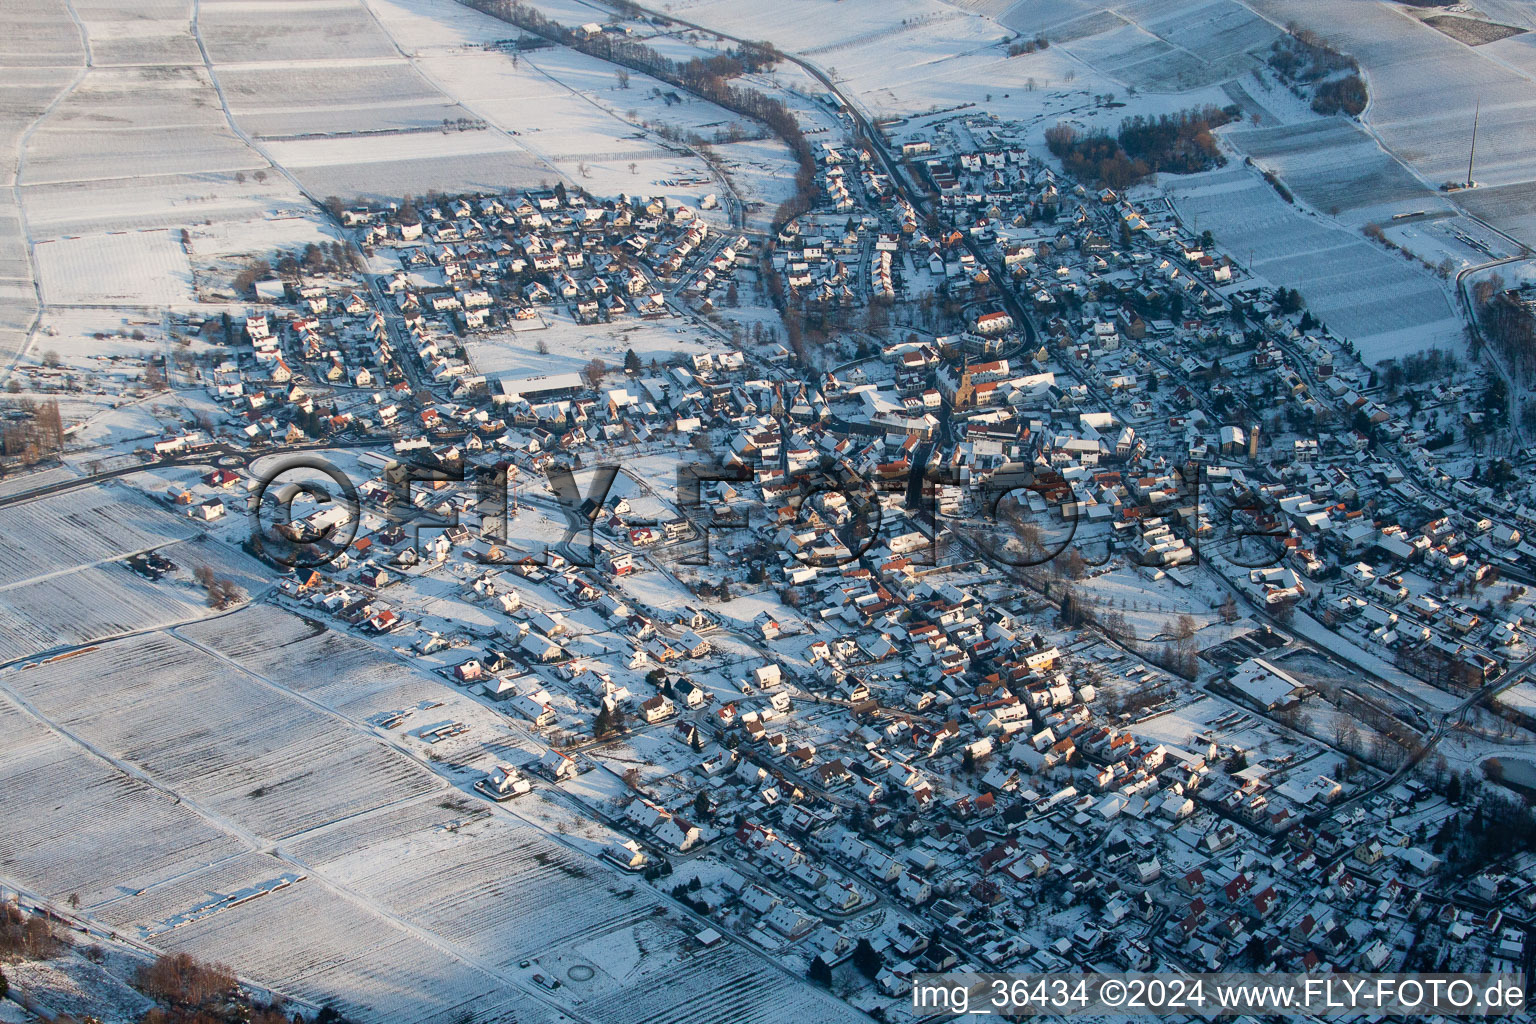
(867, 959)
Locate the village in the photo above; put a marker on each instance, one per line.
(956, 564)
(951, 727)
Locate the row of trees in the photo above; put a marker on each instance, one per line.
(1179, 143)
(1508, 324)
(1305, 59)
(709, 79)
(33, 431)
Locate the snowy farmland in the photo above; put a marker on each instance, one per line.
(475, 161)
(209, 762)
(1333, 164)
(141, 268)
(62, 581)
(1385, 305)
(1154, 45)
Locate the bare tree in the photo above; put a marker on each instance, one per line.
(594, 372)
(1228, 610)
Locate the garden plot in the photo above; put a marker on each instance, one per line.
(86, 827)
(1383, 304)
(1335, 166)
(140, 268)
(244, 31)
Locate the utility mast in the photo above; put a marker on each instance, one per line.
(1472, 152)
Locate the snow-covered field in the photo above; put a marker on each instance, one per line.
(1159, 46)
(62, 580)
(571, 346)
(390, 166)
(1386, 305)
(1333, 164)
(139, 268)
(244, 31)
(196, 764)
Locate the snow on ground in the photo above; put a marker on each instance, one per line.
(71, 984)
(63, 581)
(239, 30)
(1156, 47)
(571, 346)
(140, 268)
(1335, 165)
(1386, 305)
(1406, 64)
(278, 772)
(1183, 727)
(1149, 606)
(426, 26)
(1329, 640)
(390, 166)
(222, 249)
